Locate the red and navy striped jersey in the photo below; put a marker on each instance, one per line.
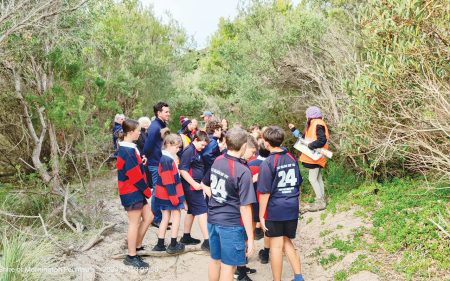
(279, 175)
(169, 190)
(131, 177)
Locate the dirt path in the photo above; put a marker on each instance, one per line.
(314, 235)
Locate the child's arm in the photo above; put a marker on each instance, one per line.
(263, 200)
(265, 180)
(187, 177)
(247, 219)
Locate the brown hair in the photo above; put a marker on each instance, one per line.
(253, 127)
(200, 136)
(128, 126)
(274, 135)
(236, 138)
(213, 125)
(251, 142)
(172, 140)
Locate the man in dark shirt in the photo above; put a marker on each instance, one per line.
(230, 208)
(279, 187)
(153, 150)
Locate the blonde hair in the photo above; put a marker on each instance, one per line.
(144, 122)
(172, 140)
(118, 117)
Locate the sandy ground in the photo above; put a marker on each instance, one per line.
(97, 264)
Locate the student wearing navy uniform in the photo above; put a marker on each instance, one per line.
(230, 208)
(254, 168)
(169, 194)
(133, 191)
(212, 150)
(192, 171)
(249, 154)
(279, 186)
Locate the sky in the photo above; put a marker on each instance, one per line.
(199, 18)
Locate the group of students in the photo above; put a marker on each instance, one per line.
(241, 186)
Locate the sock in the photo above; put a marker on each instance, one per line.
(131, 257)
(140, 248)
(160, 241)
(173, 242)
(266, 250)
(298, 277)
(206, 241)
(240, 270)
(187, 235)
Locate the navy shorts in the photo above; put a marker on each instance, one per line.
(136, 206)
(281, 228)
(227, 244)
(172, 207)
(196, 202)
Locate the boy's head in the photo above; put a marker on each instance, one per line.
(200, 140)
(252, 146)
(236, 140)
(273, 136)
(214, 128)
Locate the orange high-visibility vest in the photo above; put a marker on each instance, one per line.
(311, 135)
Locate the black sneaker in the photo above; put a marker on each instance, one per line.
(205, 246)
(249, 270)
(263, 256)
(159, 248)
(259, 234)
(243, 277)
(135, 261)
(189, 241)
(178, 248)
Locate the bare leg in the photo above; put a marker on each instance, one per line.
(176, 217)
(202, 222)
(292, 255)
(188, 220)
(276, 257)
(147, 218)
(227, 272)
(214, 270)
(134, 218)
(164, 223)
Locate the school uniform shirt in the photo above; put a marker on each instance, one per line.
(153, 143)
(192, 162)
(231, 187)
(169, 191)
(132, 182)
(254, 168)
(279, 175)
(211, 152)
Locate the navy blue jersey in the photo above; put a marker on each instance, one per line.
(192, 162)
(231, 187)
(279, 175)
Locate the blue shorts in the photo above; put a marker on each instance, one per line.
(196, 202)
(227, 244)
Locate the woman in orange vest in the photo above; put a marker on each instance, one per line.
(316, 131)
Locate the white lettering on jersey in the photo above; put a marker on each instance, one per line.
(218, 189)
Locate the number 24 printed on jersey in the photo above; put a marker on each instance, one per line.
(287, 178)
